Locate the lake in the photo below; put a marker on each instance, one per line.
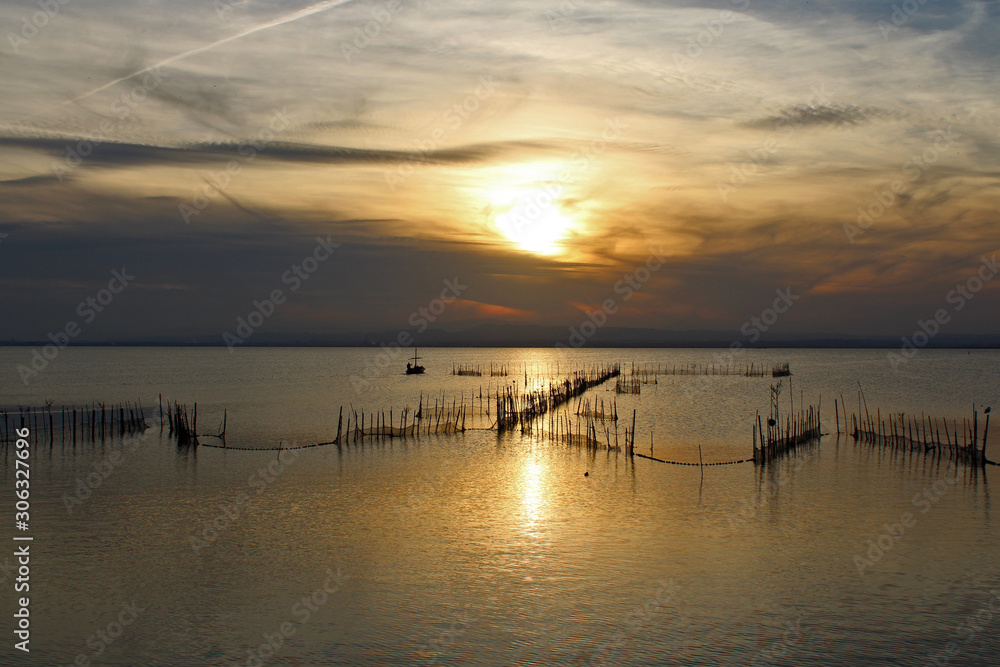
(480, 548)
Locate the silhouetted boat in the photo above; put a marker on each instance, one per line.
(414, 369)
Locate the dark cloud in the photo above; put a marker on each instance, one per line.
(206, 101)
(112, 153)
(819, 116)
(352, 125)
(28, 181)
(933, 14)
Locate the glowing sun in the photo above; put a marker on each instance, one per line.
(531, 216)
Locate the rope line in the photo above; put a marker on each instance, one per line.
(685, 463)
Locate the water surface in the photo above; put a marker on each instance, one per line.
(497, 550)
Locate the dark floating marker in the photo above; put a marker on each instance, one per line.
(586, 474)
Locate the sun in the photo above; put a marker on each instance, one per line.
(537, 228)
(531, 214)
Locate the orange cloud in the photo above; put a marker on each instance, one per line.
(466, 309)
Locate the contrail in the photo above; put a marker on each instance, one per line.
(288, 18)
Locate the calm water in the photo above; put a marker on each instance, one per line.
(486, 550)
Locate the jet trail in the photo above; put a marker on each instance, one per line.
(288, 18)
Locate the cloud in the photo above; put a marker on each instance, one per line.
(287, 18)
(114, 153)
(27, 181)
(819, 116)
(687, 127)
(468, 309)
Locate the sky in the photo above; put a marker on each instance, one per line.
(674, 164)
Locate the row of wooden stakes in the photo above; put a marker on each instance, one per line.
(495, 370)
(514, 408)
(747, 370)
(377, 426)
(94, 422)
(906, 431)
(775, 439)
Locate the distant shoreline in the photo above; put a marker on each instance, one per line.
(782, 345)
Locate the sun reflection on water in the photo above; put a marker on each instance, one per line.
(534, 487)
